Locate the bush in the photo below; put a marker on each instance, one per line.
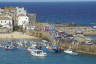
(17, 28)
(0, 25)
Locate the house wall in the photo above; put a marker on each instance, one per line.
(6, 23)
(20, 11)
(23, 20)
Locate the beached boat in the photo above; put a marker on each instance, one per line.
(38, 52)
(54, 48)
(70, 52)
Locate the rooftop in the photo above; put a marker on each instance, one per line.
(5, 18)
(9, 8)
(20, 15)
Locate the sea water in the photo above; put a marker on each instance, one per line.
(81, 13)
(22, 57)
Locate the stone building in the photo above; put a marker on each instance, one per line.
(20, 11)
(6, 24)
(22, 20)
(13, 12)
(32, 18)
(6, 21)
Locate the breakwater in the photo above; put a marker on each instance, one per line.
(85, 30)
(86, 49)
(41, 34)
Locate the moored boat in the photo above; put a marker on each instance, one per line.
(38, 52)
(29, 49)
(70, 52)
(54, 48)
(10, 48)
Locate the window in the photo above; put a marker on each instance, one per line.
(10, 22)
(19, 10)
(22, 21)
(1, 21)
(26, 18)
(5, 21)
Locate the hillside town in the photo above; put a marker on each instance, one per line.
(14, 16)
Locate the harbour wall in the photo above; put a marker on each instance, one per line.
(41, 34)
(86, 49)
(85, 30)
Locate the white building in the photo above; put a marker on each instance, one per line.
(20, 11)
(6, 21)
(22, 20)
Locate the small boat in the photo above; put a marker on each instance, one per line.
(70, 52)
(32, 47)
(26, 45)
(29, 49)
(49, 49)
(54, 48)
(10, 48)
(38, 52)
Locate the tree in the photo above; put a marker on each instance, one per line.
(16, 28)
(0, 25)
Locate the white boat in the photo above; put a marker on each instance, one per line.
(70, 52)
(38, 52)
(29, 49)
(32, 47)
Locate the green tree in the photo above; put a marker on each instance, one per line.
(16, 28)
(0, 25)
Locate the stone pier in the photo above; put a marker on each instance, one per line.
(41, 34)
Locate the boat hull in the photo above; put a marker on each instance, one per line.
(38, 54)
(53, 50)
(49, 50)
(73, 53)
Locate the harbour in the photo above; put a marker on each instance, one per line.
(22, 57)
(47, 33)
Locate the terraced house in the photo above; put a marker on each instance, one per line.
(16, 15)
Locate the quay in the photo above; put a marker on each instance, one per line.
(85, 30)
(85, 49)
(42, 34)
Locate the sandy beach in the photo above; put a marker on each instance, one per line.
(16, 35)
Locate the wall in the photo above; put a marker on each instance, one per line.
(74, 30)
(32, 18)
(20, 11)
(43, 35)
(6, 23)
(22, 20)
